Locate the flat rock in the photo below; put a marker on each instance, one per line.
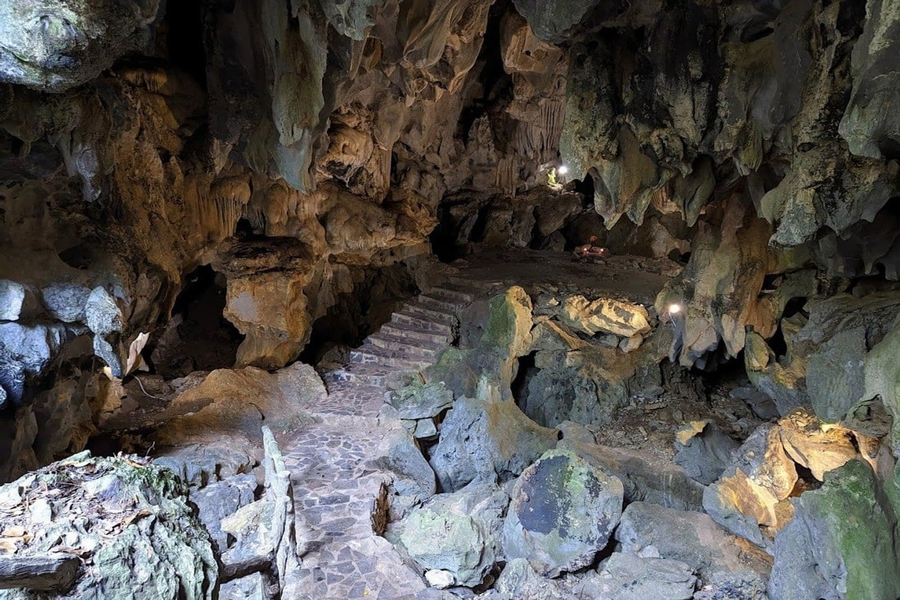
(625, 576)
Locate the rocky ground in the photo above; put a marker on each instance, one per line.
(416, 472)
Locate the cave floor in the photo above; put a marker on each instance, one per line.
(629, 278)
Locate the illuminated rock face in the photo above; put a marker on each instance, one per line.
(56, 45)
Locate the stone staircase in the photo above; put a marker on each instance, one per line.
(411, 341)
(337, 489)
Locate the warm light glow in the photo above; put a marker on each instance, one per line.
(674, 309)
(562, 170)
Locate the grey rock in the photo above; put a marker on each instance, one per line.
(53, 45)
(448, 542)
(66, 301)
(625, 576)
(644, 478)
(703, 450)
(690, 537)
(105, 319)
(486, 439)
(12, 298)
(562, 513)
(24, 353)
(201, 465)
(421, 400)
(870, 123)
(218, 500)
(251, 587)
(552, 20)
(484, 502)
(399, 453)
(840, 543)
(520, 580)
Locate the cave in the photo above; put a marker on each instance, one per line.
(500, 299)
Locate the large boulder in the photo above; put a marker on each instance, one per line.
(399, 453)
(703, 450)
(625, 576)
(487, 438)
(841, 542)
(562, 513)
(750, 499)
(692, 538)
(448, 542)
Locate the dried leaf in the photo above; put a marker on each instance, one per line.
(16, 531)
(7, 547)
(138, 515)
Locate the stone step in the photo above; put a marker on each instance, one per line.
(414, 334)
(430, 312)
(426, 350)
(452, 294)
(374, 356)
(472, 286)
(421, 321)
(355, 375)
(438, 303)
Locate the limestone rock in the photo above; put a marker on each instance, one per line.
(486, 438)
(643, 477)
(703, 450)
(154, 547)
(520, 580)
(840, 543)
(552, 20)
(625, 576)
(689, 537)
(753, 491)
(400, 454)
(868, 124)
(54, 45)
(421, 400)
(445, 541)
(604, 315)
(562, 513)
(235, 402)
(219, 500)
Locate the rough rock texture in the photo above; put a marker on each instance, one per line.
(703, 450)
(562, 513)
(487, 438)
(692, 538)
(840, 543)
(143, 540)
(453, 543)
(625, 576)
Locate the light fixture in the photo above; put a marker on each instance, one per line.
(674, 309)
(562, 170)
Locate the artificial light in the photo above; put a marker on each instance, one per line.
(562, 170)
(674, 309)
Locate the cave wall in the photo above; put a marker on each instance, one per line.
(759, 139)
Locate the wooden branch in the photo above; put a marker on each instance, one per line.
(41, 572)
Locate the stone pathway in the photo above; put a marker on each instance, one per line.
(339, 495)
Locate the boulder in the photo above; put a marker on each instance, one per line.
(644, 477)
(752, 492)
(561, 514)
(703, 450)
(447, 542)
(487, 438)
(604, 315)
(219, 500)
(419, 400)
(840, 543)
(625, 576)
(520, 580)
(690, 537)
(399, 454)
(814, 445)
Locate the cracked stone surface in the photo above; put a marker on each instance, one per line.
(337, 488)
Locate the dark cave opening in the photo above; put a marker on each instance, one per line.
(198, 337)
(184, 37)
(375, 295)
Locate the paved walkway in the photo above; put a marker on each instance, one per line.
(339, 496)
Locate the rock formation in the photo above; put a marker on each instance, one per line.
(439, 249)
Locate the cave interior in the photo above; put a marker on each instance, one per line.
(415, 300)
